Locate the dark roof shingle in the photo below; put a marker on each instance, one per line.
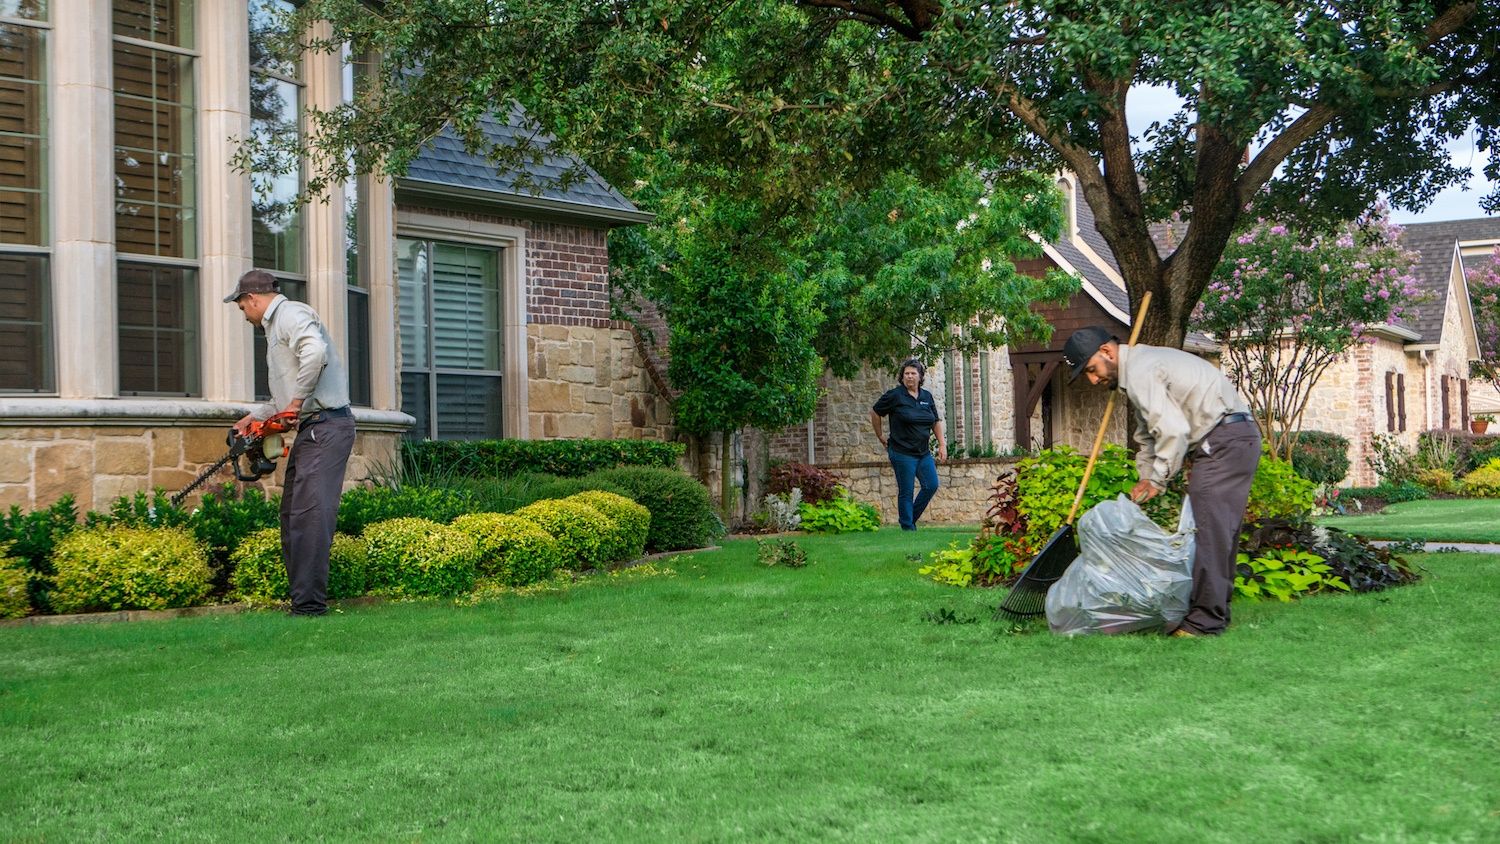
(1434, 244)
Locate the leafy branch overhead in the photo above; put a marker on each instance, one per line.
(1312, 109)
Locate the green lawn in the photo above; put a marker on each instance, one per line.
(1446, 520)
(733, 702)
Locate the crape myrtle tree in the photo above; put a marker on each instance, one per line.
(1484, 298)
(1285, 305)
(1311, 109)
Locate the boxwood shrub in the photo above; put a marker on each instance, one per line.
(502, 458)
(514, 550)
(633, 522)
(682, 514)
(1483, 482)
(120, 567)
(364, 506)
(259, 574)
(419, 557)
(14, 577)
(584, 535)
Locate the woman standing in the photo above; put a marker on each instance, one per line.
(914, 420)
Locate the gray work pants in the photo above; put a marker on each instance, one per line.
(310, 508)
(1224, 464)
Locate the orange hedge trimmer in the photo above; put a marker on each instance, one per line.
(261, 444)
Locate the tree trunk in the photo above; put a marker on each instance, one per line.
(726, 489)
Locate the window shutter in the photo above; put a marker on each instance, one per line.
(1390, 402)
(1447, 413)
(1463, 400)
(1401, 401)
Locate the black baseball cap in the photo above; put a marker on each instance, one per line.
(1082, 345)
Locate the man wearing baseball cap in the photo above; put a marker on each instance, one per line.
(1184, 407)
(308, 379)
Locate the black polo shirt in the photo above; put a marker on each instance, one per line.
(911, 420)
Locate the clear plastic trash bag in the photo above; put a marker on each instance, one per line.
(1130, 574)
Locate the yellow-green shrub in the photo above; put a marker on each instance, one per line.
(1437, 480)
(513, 549)
(14, 578)
(260, 574)
(124, 568)
(583, 533)
(412, 557)
(1278, 492)
(1483, 482)
(633, 522)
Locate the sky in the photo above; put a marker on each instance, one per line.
(1147, 104)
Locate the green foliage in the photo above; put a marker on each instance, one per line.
(1483, 482)
(682, 516)
(225, 517)
(506, 458)
(259, 572)
(363, 506)
(1390, 459)
(411, 557)
(817, 484)
(1279, 492)
(1284, 574)
(1470, 451)
(15, 577)
(1321, 457)
(780, 552)
(116, 567)
(1437, 480)
(843, 514)
(632, 521)
(582, 532)
(512, 549)
(1048, 482)
(953, 565)
(32, 537)
(1391, 493)
(1352, 560)
(140, 510)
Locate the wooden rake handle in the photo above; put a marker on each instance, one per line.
(1109, 411)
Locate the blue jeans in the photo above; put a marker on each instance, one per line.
(910, 469)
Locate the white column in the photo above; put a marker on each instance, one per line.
(326, 283)
(224, 197)
(378, 240)
(83, 200)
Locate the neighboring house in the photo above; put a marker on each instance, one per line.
(463, 306)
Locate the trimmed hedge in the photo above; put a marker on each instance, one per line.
(502, 458)
(633, 522)
(260, 574)
(364, 506)
(129, 568)
(513, 549)
(682, 514)
(584, 535)
(419, 557)
(14, 577)
(1321, 457)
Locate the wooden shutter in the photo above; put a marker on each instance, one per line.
(1463, 403)
(1390, 402)
(1447, 413)
(1401, 401)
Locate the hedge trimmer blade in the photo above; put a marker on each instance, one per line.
(203, 476)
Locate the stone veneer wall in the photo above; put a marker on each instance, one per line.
(592, 382)
(962, 496)
(38, 465)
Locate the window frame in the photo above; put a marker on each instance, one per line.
(46, 379)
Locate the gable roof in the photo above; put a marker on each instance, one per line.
(1437, 245)
(445, 169)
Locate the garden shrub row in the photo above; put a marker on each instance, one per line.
(504, 458)
(233, 542)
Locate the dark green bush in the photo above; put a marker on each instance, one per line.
(364, 506)
(682, 514)
(411, 557)
(140, 510)
(1389, 493)
(32, 537)
(503, 458)
(225, 517)
(1321, 457)
(119, 567)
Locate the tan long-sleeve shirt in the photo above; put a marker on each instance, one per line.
(301, 361)
(1178, 398)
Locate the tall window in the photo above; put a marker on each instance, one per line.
(156, 197)
(356, 270)
(26, 354)
(276, 222)
(450, 338)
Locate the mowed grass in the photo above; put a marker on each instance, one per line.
(1444, 520)
(734, 702)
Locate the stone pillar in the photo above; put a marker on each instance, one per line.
(377, 233)
(224, 199)
(327, 285)
(83, 252)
